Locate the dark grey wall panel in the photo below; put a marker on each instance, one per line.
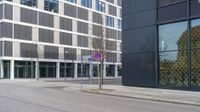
(65, 24)
(70, 10)
(125, 22)
(1, 11)
(28, 50)
(172, 12)
(112, 10)
(28, 16)
(140, 19)
(139, 70)
(126, 7)
(71, 55)
(195, 8)
(140, 40)
(8, 11)
(82, 41)
(46, 35)
(8, 48)
(46, 19)
(141, 5)
(82, 13)
(6, 30)
(1, 48)
(97, 17)
(51, 52)
(19, 32)
(82, 27)
(110, 33)
(65, 38)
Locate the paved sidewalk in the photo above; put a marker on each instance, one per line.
(163, 95)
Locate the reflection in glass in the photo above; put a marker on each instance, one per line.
(173, 55)
(195, 52)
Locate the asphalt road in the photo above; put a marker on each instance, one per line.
(29, 98)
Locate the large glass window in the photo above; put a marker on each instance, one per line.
(83, 70)
(173, 54)
(24, 69)
(109, 21)
(67, 70)
(100, 6)
(86, 3)
(51, 5)
(32, 3)
(195, 52)
(47, 70)
(72, 1)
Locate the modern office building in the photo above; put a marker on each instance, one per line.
(161, 43)
(49, 38)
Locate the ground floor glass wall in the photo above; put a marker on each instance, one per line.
(66, 69)
(85, 70)
(24, 69)
(47, 69)
(110, 70)
(5, 67)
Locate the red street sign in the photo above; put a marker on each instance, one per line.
(97, 56)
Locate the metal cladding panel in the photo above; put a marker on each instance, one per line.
(139, 70)
(173, 12)
(139, 39)
(139, 57)
(195, 7)
(141, 5)
(142, 19)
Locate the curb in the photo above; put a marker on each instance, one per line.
(149, 99)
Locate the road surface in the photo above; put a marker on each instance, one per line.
(26, 97)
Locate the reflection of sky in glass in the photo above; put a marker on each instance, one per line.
(195, 22)
(168, 37)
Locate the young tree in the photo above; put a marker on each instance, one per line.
(99, 46)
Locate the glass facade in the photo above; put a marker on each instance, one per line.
(51, 5)
(24, 69)
(86, 3)
(85, 70)
(173, 54)
(47, 70)
(32, 3)
(6, 69)
(67, 70)
(195, 53)
(110, 70)
(100, 6)
(176, 56)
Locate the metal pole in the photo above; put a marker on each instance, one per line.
(189, 43)
(65, 70)
(81, 73)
